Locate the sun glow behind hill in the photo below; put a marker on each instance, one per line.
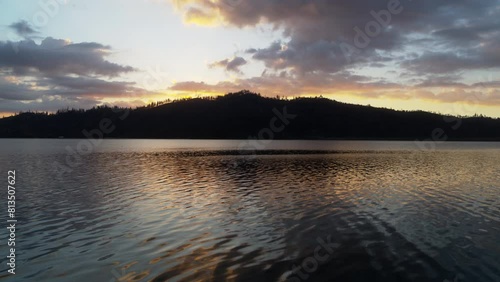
(196, 48)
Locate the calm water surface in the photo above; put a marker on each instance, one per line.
(183, 210)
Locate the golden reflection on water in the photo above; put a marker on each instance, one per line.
(219, 216)
(259, 198)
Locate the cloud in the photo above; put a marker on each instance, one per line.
(26, 93)
(333, 35)
(92, 87)
(23, 28)
(440, 89)
(426, 49)
(57, 73)
(288, 84)
(47, 103)
(58, 57)
(232, 65)
(10, 89)
(198, 16)
(441, 81)
(484, 56)
(15, 98)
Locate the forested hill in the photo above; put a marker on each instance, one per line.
(242, 115)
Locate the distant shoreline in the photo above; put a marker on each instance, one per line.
(249, 116)
(230, 139)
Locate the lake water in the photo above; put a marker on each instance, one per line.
(184, 210)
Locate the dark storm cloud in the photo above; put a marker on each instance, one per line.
(230, 64)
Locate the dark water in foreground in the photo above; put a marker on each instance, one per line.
(159, 210)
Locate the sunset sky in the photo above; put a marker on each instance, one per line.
(441, 56)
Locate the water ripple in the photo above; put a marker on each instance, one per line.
(218, 215)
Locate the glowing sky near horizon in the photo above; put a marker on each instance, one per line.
(441, 56)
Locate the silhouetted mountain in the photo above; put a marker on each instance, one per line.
(244, 114)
